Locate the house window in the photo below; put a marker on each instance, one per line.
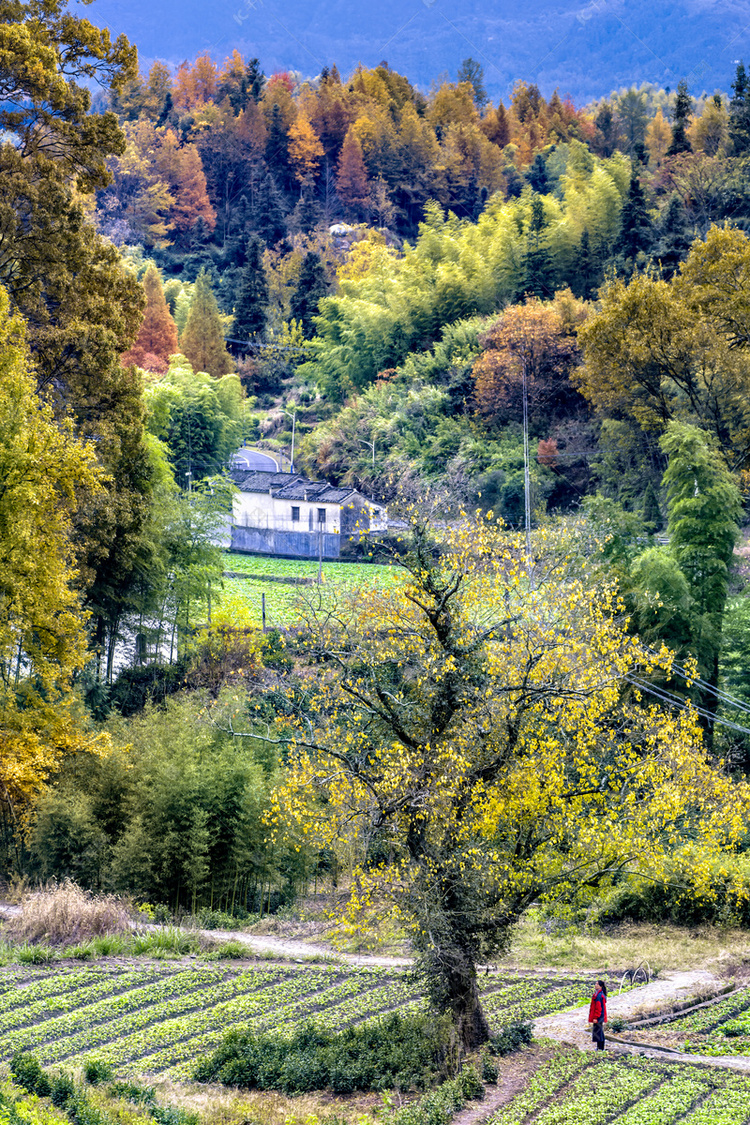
(295, 515)
(321, 515)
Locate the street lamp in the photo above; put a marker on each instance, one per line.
(294, 423)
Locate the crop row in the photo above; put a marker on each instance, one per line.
(708, 1018)
(597, 1093)
(551, 1001)
(331, 1012)
(146, 1019)
(181, 991)
(153, 1031)
(546, 1083)
(573, 1088)
(667, 1104)
(26, 1006)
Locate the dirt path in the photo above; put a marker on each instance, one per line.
(300, 950)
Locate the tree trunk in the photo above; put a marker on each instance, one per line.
(469, 1019)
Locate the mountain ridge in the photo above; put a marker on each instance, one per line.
(583, 49)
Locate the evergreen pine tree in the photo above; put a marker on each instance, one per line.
(674, 239)
(252, 298)
(311, 288)
(538, 264)
(652, 517)
(277, 149)
(203, 339)
(589, 269)
(683, 107)
(636, 230)
(270, 221)
(308, 213)
(605, 140)
(537, 175)
(739, 111)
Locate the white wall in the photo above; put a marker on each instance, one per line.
(258, 509)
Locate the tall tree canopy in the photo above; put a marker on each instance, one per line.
(476, 748)
(44, 472)
(202, 342)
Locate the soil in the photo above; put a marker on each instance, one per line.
(515, 1073)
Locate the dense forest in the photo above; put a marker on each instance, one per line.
(530, 317)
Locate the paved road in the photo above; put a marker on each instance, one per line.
(247, 458)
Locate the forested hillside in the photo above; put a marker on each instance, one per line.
(525, 326)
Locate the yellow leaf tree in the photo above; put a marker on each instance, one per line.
(43, 470)
(305, 149)
(477, 742)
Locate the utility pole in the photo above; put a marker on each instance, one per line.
(293, 416)
(526, 472)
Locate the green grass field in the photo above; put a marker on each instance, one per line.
(241, 597)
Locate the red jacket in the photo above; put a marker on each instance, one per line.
(598, 1007)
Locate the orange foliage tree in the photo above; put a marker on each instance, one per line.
(535, 340)
(157, 337)
(352, 182)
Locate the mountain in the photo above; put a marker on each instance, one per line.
(586, 48)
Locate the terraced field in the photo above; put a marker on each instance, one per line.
(721, 1028)
(157, 1018)
(584, 1089)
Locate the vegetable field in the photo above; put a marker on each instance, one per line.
(241, 597)
(721, 1028)
(158, 1018)
(575, 1088)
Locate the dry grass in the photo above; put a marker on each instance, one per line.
(63, 914)
(217, 1105)
(665, 947)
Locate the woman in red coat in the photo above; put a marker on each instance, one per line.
(598, 1014)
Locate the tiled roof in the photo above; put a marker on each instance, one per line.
(291, 486)
(254, 480)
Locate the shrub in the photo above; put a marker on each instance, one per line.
(233, 949)
(97, 1070)
(723, 899)
(28, 1074)
(63, 913)
(62, 1089)
(397, 1051)
(439, 1106)
(489, 1069)
(512, 1037)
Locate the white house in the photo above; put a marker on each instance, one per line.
(286, 514)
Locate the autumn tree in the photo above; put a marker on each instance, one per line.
(157, 337)
(656, 350)
(535, 341)
(474, 748)
(202, 342)
(352, 182)
(45, 472)
(305, 149)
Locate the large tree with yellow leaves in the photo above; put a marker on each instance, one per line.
(44, 472)
(472, 735)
